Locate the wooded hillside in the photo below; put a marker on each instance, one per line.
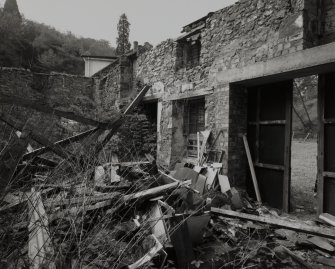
(28, 44)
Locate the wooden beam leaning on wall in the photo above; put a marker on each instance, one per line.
(252, 169)
(39, 138)
(114, 125)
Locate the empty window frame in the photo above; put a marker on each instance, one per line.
(189, 50)
(194, 122)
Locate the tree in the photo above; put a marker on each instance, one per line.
(12, 8)
(122, 41)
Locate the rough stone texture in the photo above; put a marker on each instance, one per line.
(95, 98)
(248, 32)
(263, 30)
(64, 95)
(238, 110)
(109, 87)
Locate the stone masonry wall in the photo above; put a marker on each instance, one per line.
(108, 84)
(72, 95)
(244, 33)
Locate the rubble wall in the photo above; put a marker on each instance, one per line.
(66, 93)
(108, 84)
(242, 34)
(75, 95)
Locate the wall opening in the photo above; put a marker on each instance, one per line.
(150, 110)
(269, 137)
(194, 122)
(304, 146)
(188, 52)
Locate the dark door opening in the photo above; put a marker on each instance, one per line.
(269, 137)
(304, 146)
(326, 145)
(150, 110)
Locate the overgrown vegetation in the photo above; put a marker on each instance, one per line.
(36, 46)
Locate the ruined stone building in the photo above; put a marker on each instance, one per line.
(230, 72)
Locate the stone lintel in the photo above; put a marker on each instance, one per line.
(317, 60)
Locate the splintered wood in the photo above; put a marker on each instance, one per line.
(40, 251)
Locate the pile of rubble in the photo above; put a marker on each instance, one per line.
(136, 215)
(82, 212)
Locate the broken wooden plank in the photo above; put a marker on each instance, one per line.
(40, 251)
(296, 258)
(278, 222)
(10, 157)
(23, 198)
(154, 191)
(61, 143)
(75, 211)
(36, 136)
(117, 124)
(224, 183)
(326, 261)
(79, 200)
(157, 223)
(330, 219)
(126, 164)
(138, 99)
(148, 256)
(321, 243)
(178, 181)
(252, 169)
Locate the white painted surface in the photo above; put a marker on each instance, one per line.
(94, 65)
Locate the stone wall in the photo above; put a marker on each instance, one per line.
(244, 33)
(108, 84)
(96, 98)
(73, 97)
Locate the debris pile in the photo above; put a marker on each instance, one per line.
(135, 214)
(87, 213)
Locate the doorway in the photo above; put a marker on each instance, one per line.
(269, 136)
(304, 146)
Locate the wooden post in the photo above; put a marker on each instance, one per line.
(252, 169)
(198, 147)
(321, 112)
(288, 142)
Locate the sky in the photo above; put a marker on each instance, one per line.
(151, 20)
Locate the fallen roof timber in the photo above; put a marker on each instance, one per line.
(113, 126)
(37, 137)
(154, 191)
(274, 221)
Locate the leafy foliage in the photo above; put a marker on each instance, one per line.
(122, 40)
(39, 47)
(12, 8)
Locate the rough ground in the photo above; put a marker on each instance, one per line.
(304, 169)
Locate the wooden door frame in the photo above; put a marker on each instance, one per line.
(320, 158)
(286, 167)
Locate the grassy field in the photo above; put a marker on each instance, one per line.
(304, 169)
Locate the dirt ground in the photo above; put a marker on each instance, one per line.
(304, 169)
